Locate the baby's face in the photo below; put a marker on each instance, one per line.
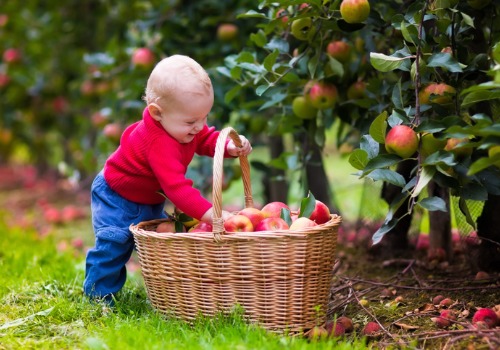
(187, 116)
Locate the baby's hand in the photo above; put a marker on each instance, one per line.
(244, 150)
(226, 215)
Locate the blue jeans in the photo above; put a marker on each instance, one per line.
(105, 271)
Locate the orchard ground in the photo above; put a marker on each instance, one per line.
(397, 293)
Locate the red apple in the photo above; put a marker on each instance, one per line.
(60, 104)
(354, 11)
(167, 226)
(238, 223)
(12, 56)
(255, 215)
(273, 209)
(454, 145)
(282, 14)
(356, 90)
(143, 57)
(487, 316)
(340, 50)
(321, 213)
(227, 31)
(272, 224)
(302, 223)
(113, 131)
(320, 94)
(4, 80)
(439, 93)
(401, 140)
(4, 19)
(202, 226)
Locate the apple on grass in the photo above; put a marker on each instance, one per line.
(302, 223)
(401, 140)
(255, 215)
(238, 223)
(273, 209)
(272, 224)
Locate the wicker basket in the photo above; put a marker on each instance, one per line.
(282, 279)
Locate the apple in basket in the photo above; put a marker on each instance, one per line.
(273, 209)
(320, 214)
(272, 224)
(170, 226)
(302, 223)
(238, 223)
(255, 215)
(202, 226)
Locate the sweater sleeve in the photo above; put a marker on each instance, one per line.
(207, 140)
(170, 171)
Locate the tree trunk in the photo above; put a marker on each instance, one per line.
(275, 184)
(440, 245)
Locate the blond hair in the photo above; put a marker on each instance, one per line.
(176, 74)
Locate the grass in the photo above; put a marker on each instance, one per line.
(42, 307)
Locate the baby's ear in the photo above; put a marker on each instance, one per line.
(155, 111)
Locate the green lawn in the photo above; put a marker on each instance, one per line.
(42, 307)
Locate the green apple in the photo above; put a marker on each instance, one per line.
(303, 29)
(355, 11)
(303, 109)
(430, 144)
(401, 140)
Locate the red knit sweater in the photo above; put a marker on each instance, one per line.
(149, 159)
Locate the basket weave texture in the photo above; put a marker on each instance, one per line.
(282, 279)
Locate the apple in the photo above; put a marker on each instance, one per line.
(4, 80)
(371, 328)
(87, 88)
(302, 223)
(478, 4)
(452, 145)
(255, 215)
(272, 224)
(113, 131)
(202, 226)
(320, 94)
(303, 109)
(282, 14)
(321, 213)
(70, 213)
(4, 19)
(167, 226)
(439, 93)
(355, 11)
(492, 151)
(487, 316)
(11, 56)
(143, 57)
(430, 144)
(273, 209)
(401, 140)
(340, 50)
(303, 29)
(238, 223)
(98, 119)
(60, 104)
(356, 90)
(227, 31)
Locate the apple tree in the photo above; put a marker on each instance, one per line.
(425, 65)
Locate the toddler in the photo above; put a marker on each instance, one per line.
(153, 155)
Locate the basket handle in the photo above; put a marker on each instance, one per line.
(220, 147)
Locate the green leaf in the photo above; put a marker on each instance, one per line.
(478, 96)
(433, 204)
(369, 145)
(481, 164)
(387, 175)
(285, 215)
(231, 94)
(382, 161)
(445, 60)
(259, 38)
(275, 99)
(245, 56)
(252, 14)
(423, 180)
(259, 91)
(282, 46)
(336, 68)
(462, 204)
(384, 63)
(386, 227)
(270, 60)
(307, 205)
(358, 159)
(410, 33)
(378, 127)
